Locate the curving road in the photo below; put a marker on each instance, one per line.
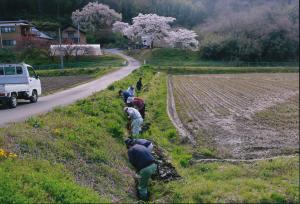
(63, 98)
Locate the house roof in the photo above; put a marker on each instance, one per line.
(18, 22)
(41, 34)
(64, 28)
(13, 24)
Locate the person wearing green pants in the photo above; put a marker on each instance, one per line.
(143, 179)
(143, 161)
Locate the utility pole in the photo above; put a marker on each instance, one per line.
(78, 33)
(1, 44)
(60, 50)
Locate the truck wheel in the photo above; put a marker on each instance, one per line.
(12, 102)
(34, 97)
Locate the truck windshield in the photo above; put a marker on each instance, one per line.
(31, 72)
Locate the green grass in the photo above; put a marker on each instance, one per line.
(226, 70)
(74, 72)
(96, 66)
(35, 181)
(165, 58)
(81, 62)
(85, 141)
(273, 182)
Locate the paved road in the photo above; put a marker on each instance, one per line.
(63, 98)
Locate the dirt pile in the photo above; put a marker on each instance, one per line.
(166, 171)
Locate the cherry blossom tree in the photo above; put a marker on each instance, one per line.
(157, 28)
(120, 27)
(95, 16)
(152, 26)
(183, 39)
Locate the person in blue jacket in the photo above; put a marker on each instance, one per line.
(125, 95)
(146, 143)
(144, 163)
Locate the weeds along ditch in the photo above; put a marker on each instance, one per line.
(76, 154)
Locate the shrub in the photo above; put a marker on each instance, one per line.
(7, 56)
(35, 56)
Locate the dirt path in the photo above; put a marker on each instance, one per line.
(63, 98)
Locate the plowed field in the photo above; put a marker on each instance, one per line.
(240, 116)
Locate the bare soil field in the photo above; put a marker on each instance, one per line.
(53, 84)
(242, 116)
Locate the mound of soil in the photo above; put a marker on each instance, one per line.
(166, 171)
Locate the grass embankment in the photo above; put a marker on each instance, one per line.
(226, 70)
(83, 66)
(73, 62)
(85, 142)
(184, 61)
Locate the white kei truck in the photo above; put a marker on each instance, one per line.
(18, 81)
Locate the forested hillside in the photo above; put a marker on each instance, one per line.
(187, 13)
(247, 30)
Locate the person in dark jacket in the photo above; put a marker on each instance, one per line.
(131, 91)
(144, 163)
(139, 85)
(146, 143)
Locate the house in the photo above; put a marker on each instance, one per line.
(70, 35)
(20, 34)
(146, 41)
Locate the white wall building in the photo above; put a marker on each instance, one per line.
(76, 50)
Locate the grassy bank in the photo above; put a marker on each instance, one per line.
(85, 142)
(45, 62)
(226, 70)
(183, 58)
(41, 59)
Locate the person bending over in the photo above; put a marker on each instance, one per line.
(124, 95)
(137, 103)
(136, 121)
(146, 143)
(131, 91)
(144, 163)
